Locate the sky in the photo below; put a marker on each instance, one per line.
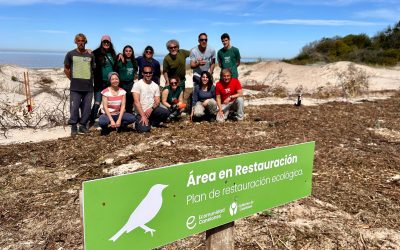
(271, 29)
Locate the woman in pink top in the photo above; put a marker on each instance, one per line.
(114, 100)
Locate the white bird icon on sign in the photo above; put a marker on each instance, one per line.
(144, 212)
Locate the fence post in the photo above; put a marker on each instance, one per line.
(221, 237)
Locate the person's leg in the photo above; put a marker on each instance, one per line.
(225, 109)
(212, 107)
(127, 119)
(85, 110)
(238, 107)
(104, 121)
(96, 106)
(141, 128)
(211, 110)
(159, 115)
(127, 86)
(75, 100)
(198, 110)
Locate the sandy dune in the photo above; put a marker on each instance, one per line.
(49, 88)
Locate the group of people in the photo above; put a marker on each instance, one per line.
(126, 89)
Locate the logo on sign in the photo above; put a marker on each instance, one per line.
(233, 208)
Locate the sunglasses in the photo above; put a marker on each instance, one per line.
(105, 42)
(174, 83)
(203, 40)
(149, 52)
(173, 47)
(147, 73)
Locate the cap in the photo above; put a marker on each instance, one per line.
(106, 38)
(111, 74)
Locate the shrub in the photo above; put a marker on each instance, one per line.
(353, 81)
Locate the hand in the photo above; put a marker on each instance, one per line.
(118, 123)
(121, 58)
(112, 124)
(205, 103)
(220, 116)
(144, 120)
(148, 112)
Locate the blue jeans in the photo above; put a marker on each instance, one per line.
(80, 101)
(158, 115)
(126, 119)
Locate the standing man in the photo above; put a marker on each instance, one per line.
(146, 95)
(202, 58)
(229, 95)
(78, 67)
(174, 63)
(229, 56)
(147, 59)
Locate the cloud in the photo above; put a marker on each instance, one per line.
(332, 2)
(216, 5)
(53, 31)
(388, 14)
(318, 22)
(177, 31)
(135, 30)
(225, 24)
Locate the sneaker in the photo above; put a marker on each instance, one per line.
(83, 129)
(212, 119)
(74, 130)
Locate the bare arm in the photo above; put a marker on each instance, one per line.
(166, 78)
(122, 111)
(180, 98)
(164, 97)
(67, 71)
(107, 111)
(212, 66)
(143, 118)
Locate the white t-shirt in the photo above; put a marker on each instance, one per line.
(147, 93)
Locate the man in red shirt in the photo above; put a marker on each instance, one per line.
(229, 95)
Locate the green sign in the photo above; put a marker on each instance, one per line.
(148, 209)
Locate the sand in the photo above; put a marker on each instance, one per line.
(49, 88)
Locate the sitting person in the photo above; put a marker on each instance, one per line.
(229, 94)
(203, 102)
(172, 99)
(146, 96)
(114, 101)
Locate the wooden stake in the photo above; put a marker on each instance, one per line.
(221, 237)
(29, 97)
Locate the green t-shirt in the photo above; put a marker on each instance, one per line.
(173, 94)
(127, 70)
(228, 59)
(107, 67)
(176, 66)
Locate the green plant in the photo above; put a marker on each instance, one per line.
(353, 81)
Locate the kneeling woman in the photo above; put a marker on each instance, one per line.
(172, 99)
(203, 102)
(114, 101)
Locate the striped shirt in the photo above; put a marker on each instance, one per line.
(114, 101)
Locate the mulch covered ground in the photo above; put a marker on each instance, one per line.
(40, 182)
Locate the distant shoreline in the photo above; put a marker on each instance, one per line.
(55, 59)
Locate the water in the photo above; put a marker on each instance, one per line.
(33, 59)
(39, 60)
